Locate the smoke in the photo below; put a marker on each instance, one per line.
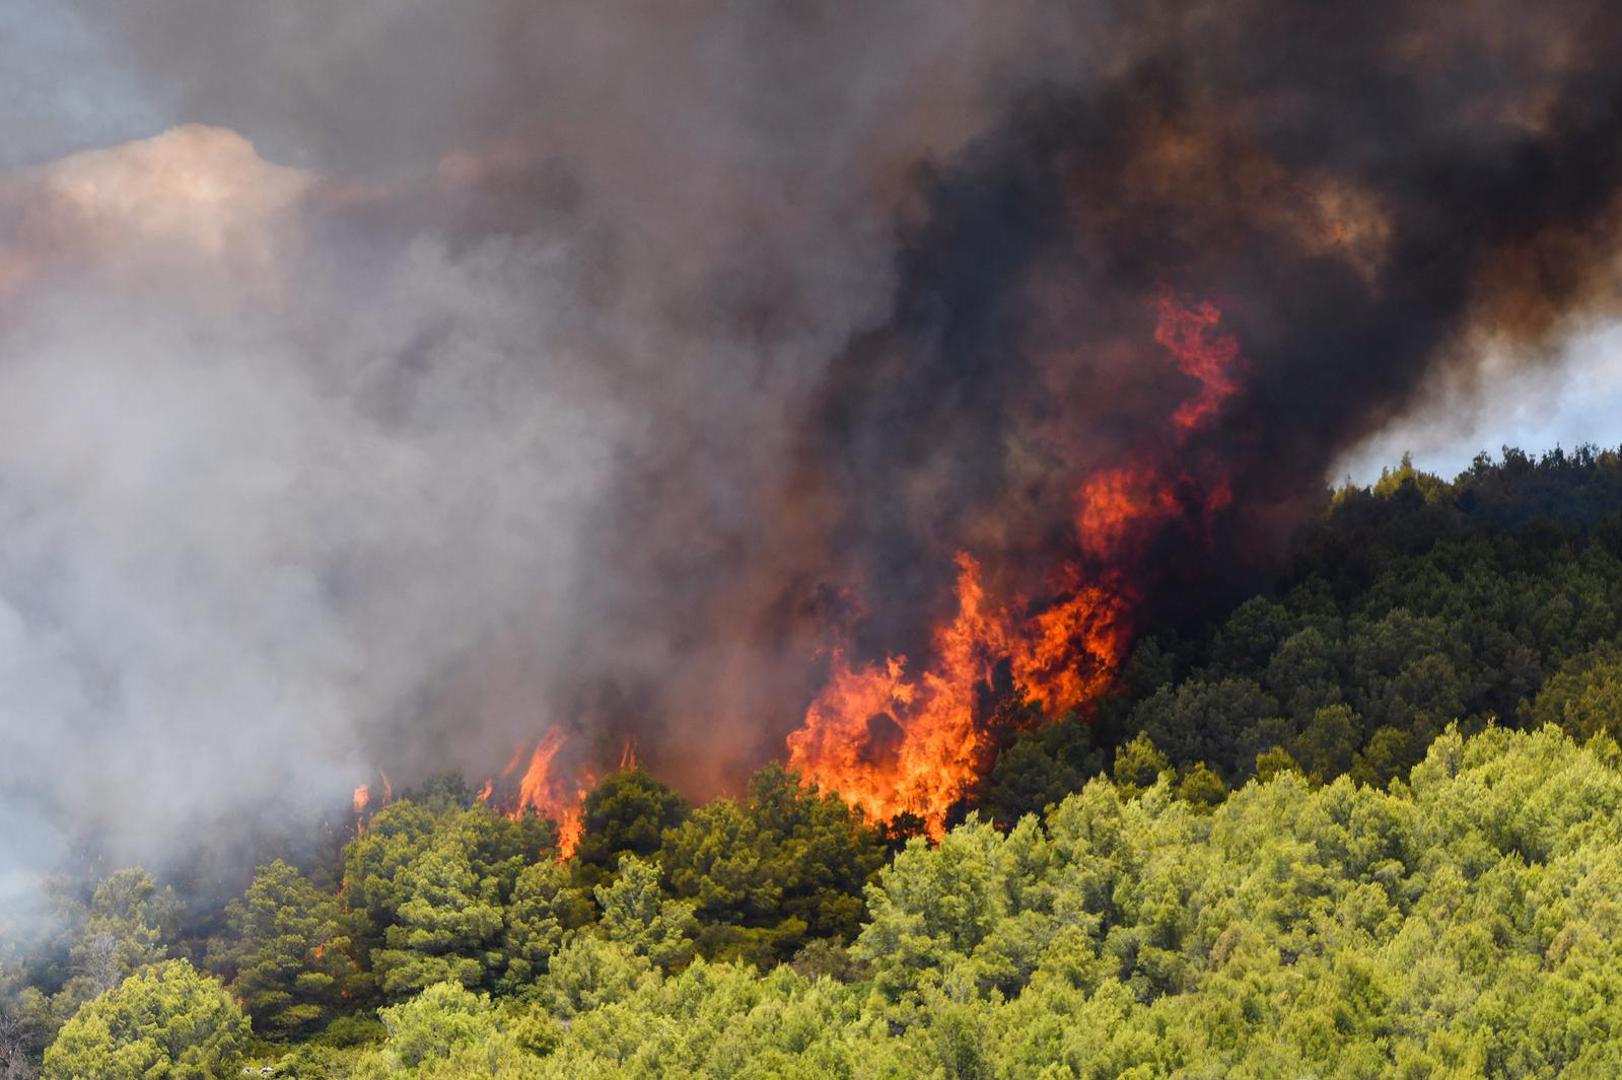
(411, 379)
(1375, 200)
(383, 385)
(255, 506)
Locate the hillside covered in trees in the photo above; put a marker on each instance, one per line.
(1367, 822)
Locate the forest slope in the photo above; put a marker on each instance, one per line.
(1363, 823)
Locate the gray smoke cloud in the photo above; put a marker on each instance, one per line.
(253, 506)
(383, 383)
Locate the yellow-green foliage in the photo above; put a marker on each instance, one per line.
(165, 1021)
(1461, 923)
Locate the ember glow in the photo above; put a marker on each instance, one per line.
(898, 737)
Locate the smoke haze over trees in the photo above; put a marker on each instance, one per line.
(1306, 833)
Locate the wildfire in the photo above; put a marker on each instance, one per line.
(896, 738)
(1186, 333)
(545, 789)
(571, 825)
(542, 787)
(535, 789)
(361, 800)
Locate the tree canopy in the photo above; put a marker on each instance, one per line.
(166, 1020)
(1364, 823)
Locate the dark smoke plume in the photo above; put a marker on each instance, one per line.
(1368, 193)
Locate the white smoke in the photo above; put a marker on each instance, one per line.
(388, 382)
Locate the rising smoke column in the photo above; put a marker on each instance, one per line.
(1358, 197)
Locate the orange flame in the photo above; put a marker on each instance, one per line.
(361, 800)
(543, 789)
(571, 826)
(535, 789)
(891, 741)
(1186, 334)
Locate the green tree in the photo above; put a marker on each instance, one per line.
(637, 915)
(589, 972)
(1326, 747)
(628, 811)
(437, 1022)
(1038, 769)
(447, 1033)
(820, 852)
(432, 882)
(25, 1024)
(1389, 753)
(543, 909)
(130, 922)
(1200, 787)
(166, 1020)
(1250, 636)
(1585, 696)
(287, 952)
(1304, 674)
(447, 929)
(1139, 763)
(375, 862)
(787, 864)
(1224, 724)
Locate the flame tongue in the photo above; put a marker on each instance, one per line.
(1071, 649)
(1186, 333)
(895, 741)
(545, 789)
(535, 790)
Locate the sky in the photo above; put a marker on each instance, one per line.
(47, 115)
(1572, 400)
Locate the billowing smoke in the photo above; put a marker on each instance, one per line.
(1360, 201)
(1368, 197)
(409, 380)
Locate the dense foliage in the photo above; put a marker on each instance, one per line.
(1366, 823)
(1406, 607)
(165, 1020)
(1460, 924)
